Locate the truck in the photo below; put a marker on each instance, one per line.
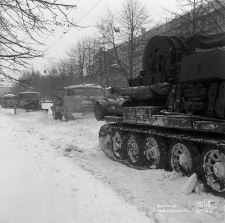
(74, 101)
(29, 101)
(8, 101)
(172, 116)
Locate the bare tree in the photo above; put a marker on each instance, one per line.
(55, 77)
(92, 52)
(33, 79)
(82, 57)
(76, 68)
(127, 26)
(198, 16)
(23, 26)
(79, 54)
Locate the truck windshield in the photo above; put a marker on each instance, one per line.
(79, 92)
(10, 98)
(95, 92)
(87, 92)
(31, 95)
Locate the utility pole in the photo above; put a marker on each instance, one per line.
(106, 75)
(100, 67)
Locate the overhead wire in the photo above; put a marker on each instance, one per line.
(56, 26)
(61, 21)
(75, 23)
(89, 11)
(13, 79)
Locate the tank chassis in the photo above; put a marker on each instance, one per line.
(173, 116)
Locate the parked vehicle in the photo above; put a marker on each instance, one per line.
(76, 100)
(174, 117)
(30, 101)
(8, 101)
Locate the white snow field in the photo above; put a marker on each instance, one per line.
(43, 181)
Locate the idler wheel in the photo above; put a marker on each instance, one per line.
(105, 138)
(118, 140)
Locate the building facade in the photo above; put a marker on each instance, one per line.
(209, 19)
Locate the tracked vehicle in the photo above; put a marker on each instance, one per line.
(173, 116)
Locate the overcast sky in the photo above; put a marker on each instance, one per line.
(86, 14)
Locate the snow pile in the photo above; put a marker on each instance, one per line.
(190, 184)
(75, 148)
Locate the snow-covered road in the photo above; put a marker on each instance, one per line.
(42, 182)
(38, 185)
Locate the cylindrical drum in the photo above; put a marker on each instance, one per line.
(108, 107)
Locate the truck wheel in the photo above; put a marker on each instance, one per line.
(66, 117)
(57, 115)
(182, 158)
(155, 152)
(118, 140)
(60, 116)
(54, 114)
(212, 164)
(133, 148)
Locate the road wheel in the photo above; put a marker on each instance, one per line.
(133, 148)
(155, 152)
(212, 164)
(182, 157)
(118, 141)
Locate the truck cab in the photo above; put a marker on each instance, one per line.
(76, 100)
(8, 101)
(29, 100)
